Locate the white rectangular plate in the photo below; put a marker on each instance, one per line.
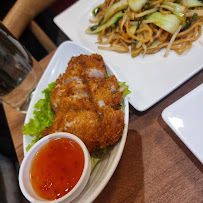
(185, 118)
(150, 78)
(103, 171)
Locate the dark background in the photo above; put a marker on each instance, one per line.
(45, 21)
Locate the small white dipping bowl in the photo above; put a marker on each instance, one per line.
(24, 173)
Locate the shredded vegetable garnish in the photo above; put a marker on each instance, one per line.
(146, 27)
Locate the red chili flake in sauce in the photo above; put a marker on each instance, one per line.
(57, 168)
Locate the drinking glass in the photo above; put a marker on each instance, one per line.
(19, 72)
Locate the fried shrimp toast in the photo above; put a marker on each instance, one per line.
(86, 103)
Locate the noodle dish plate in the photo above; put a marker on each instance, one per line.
(101, 174)
(150, 78)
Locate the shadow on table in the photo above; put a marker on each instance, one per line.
(128, 178)
(181, 145)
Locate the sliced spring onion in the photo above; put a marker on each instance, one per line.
(96, 10)
(168, 22)
(149, 5)
(188, 22)
(116, 7)
(139, 23)
(98, 28)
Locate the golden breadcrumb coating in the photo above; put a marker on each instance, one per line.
(105, 92)
(86, 103)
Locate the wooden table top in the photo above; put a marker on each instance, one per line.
(155, 166)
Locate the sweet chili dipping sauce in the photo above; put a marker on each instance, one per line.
(57, 168)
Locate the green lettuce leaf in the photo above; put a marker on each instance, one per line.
(96, 156)
(126, 91)
(42, 117)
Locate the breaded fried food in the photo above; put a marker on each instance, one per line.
(86, 103)
(105, 92)
(84, 124)
(94, 66)
(72, 96)
(113, 124)
(82, 68)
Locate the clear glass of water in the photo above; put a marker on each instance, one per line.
(19, 74)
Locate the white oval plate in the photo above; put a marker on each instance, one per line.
(150, 78)
(106, 167)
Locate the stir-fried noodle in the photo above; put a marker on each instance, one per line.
(144, 26)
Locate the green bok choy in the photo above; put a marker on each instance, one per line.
(169, 22)
(98, 28)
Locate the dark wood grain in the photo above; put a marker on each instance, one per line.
(156, 166)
